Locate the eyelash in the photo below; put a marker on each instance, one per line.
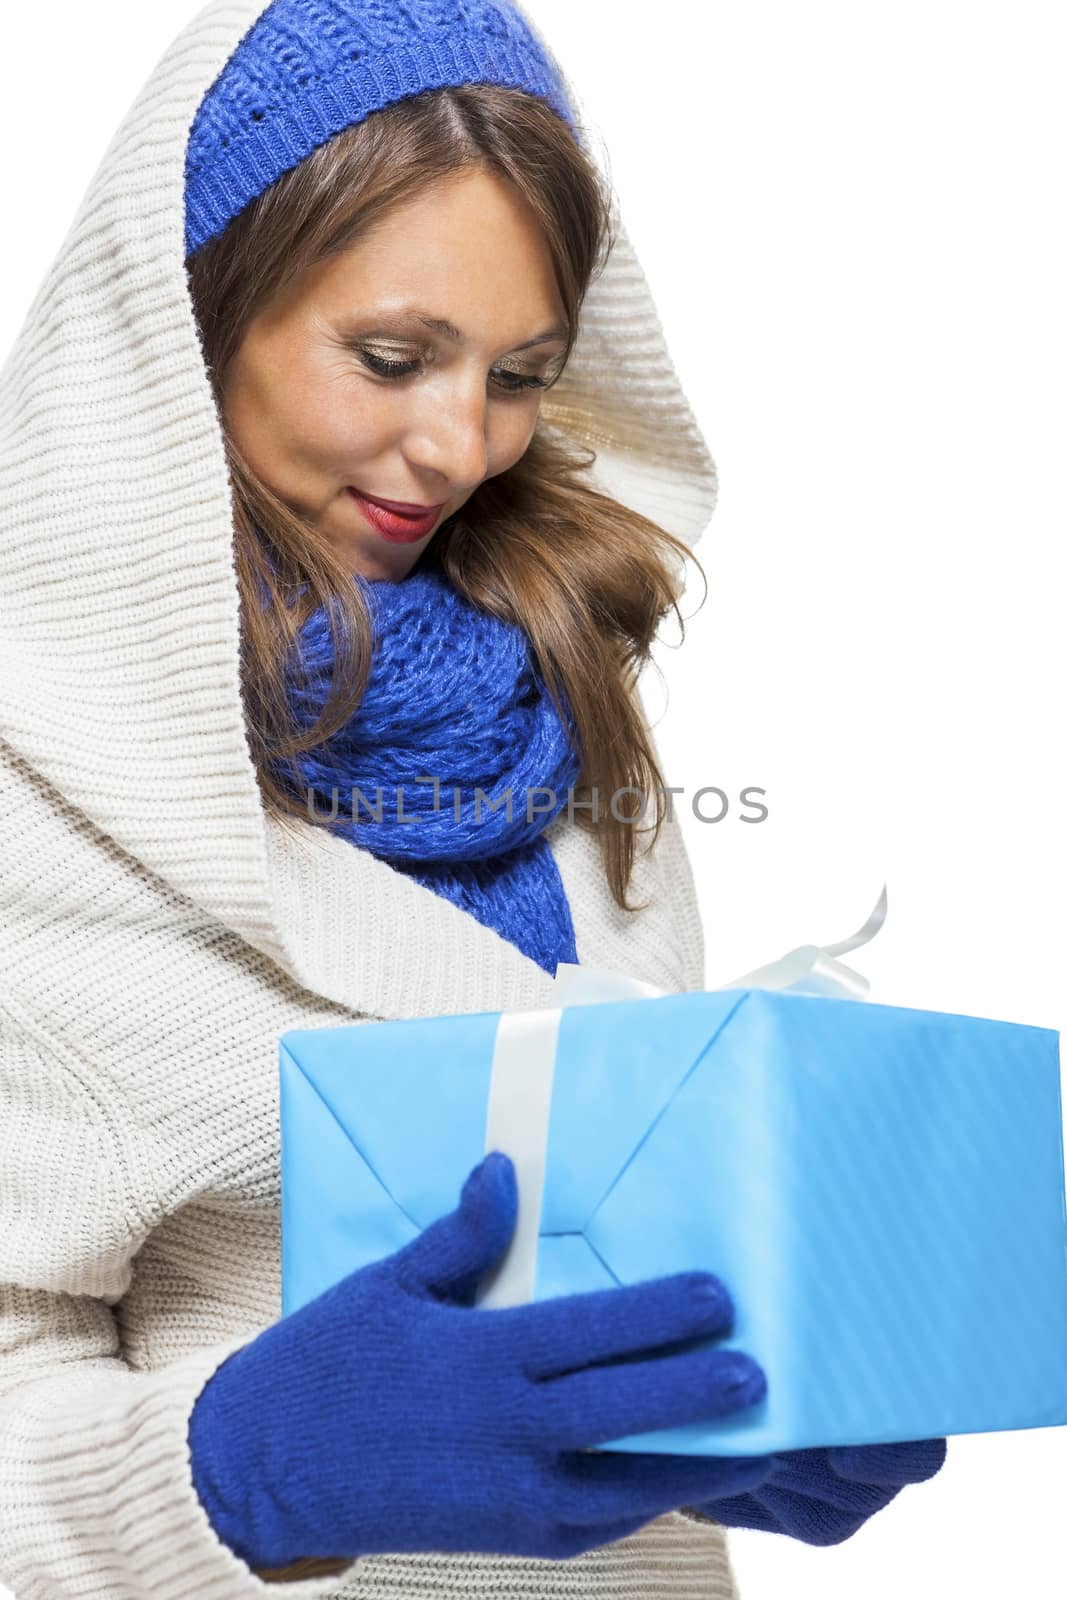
(403, 369)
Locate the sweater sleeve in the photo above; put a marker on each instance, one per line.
(96, 1490)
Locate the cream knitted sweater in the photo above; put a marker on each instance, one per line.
(158, 930)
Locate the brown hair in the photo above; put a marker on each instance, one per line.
(586, 578)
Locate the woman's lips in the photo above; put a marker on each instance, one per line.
(397, 520)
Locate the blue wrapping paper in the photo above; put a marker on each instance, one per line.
(880, 1188)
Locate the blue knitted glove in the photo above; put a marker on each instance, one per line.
(392, 1414)
(825, 1496)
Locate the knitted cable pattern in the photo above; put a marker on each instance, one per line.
(309, 68)
(454, 695)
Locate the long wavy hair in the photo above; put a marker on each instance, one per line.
(587, 579)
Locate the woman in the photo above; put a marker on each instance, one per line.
(211, 625)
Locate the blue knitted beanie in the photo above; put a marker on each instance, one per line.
(306, 69)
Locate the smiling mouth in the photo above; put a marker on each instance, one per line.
(399, 527)
(402, 508)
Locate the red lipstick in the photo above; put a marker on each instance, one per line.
(397, 520)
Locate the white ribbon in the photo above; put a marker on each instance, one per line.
(814, 969)
(524, 1064)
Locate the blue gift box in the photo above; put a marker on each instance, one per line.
(880, 1188)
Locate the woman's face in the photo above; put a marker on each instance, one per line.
(342, 387)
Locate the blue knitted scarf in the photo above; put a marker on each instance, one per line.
(454, 694)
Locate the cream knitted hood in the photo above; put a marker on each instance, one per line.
(119, 683)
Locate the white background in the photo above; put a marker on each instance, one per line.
(851, 217)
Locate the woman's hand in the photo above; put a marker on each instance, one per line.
(391, 1413)
(825, 1496)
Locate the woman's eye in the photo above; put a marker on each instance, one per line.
(509, 382)
(385, 368)
(516, 381)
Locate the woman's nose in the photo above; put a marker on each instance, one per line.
(450, 437)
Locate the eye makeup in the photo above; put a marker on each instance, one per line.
(510, 380)
(403, 360)
(388, 336)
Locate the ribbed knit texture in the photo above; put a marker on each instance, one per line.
(309, 68)
(454, 695)
(139, 1185)
(158, 932)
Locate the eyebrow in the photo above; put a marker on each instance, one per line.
(450, 331)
